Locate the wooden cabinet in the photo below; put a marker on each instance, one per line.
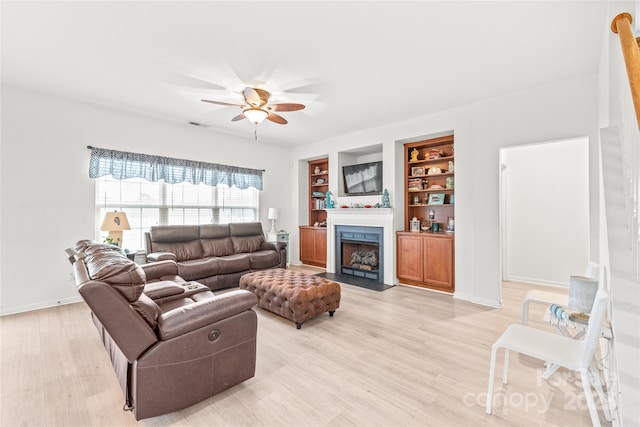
(313, 245)
(426, 260)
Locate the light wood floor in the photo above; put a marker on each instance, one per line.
(402, 357)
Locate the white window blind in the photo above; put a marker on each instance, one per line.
(158, 203)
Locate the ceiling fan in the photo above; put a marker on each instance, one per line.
(256, 107)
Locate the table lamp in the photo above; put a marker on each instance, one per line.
(273, 215)
(115, 222)
(582, 293)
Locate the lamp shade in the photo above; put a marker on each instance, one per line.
(115, 221)
(255, 115)
(582, 293)
(273, 213)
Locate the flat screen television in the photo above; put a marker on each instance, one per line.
(363, 179)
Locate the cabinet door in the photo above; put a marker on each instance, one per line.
(320, 246)
(409, 257)
(438, 262)
(307, 245)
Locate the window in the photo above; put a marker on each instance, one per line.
(158, 203)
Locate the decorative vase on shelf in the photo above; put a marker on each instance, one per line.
(316, 170)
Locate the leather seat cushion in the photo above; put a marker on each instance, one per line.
(233, 263)
(264, 259)
(198, 268)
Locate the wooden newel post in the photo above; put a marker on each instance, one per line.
(621, 25)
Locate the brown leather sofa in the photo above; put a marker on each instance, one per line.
(172, 343)
(216, 255)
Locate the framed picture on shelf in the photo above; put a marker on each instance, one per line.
(436, 198)
(417, 170)
(415, 184)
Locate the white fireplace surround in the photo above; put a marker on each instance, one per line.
(363, 217)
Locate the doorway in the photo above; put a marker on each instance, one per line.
(544, 211)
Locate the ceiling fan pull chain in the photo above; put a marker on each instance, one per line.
(255, 131)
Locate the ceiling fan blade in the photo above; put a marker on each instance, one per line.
(276, 119)
(221, 103)
(255, 97)
(239, 117)
(286, 107)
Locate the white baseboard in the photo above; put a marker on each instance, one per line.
(40, 305)
(536, 281)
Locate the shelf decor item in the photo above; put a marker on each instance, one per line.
(434, 171)
(433, 154)
(385, 199)
(449, 182)
(417, 171)
(436, 198)
(415, 224)
(328, 201)
(415, 184)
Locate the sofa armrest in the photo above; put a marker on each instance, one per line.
(274, 246)
(157, 269)
(190, 317)
(163, 289)
(161, 256)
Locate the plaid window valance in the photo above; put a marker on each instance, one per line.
(123, 165)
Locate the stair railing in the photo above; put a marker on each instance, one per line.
(621, 25)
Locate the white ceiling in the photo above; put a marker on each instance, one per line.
(355, 65)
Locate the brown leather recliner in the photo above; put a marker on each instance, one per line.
(172, 343)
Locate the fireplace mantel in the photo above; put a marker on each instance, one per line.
(372, 217)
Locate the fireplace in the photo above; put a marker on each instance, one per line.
(358, 251)
(369, 222)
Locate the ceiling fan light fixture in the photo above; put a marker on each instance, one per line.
(255, 115)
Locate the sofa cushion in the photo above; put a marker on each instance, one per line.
(217, 247)
(198, 268)
(117, 270)
(173, 234)
(246, 229)
(233, 263)
(247, 244)
(264, 259)
(182, 250)
(214, 231)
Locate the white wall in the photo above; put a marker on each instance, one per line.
(45, 216)
(546, 211)
(560, 110)
(48, 198)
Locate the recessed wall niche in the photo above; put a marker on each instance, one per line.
(371, 153)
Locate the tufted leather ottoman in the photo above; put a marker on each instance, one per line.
(292, 294)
